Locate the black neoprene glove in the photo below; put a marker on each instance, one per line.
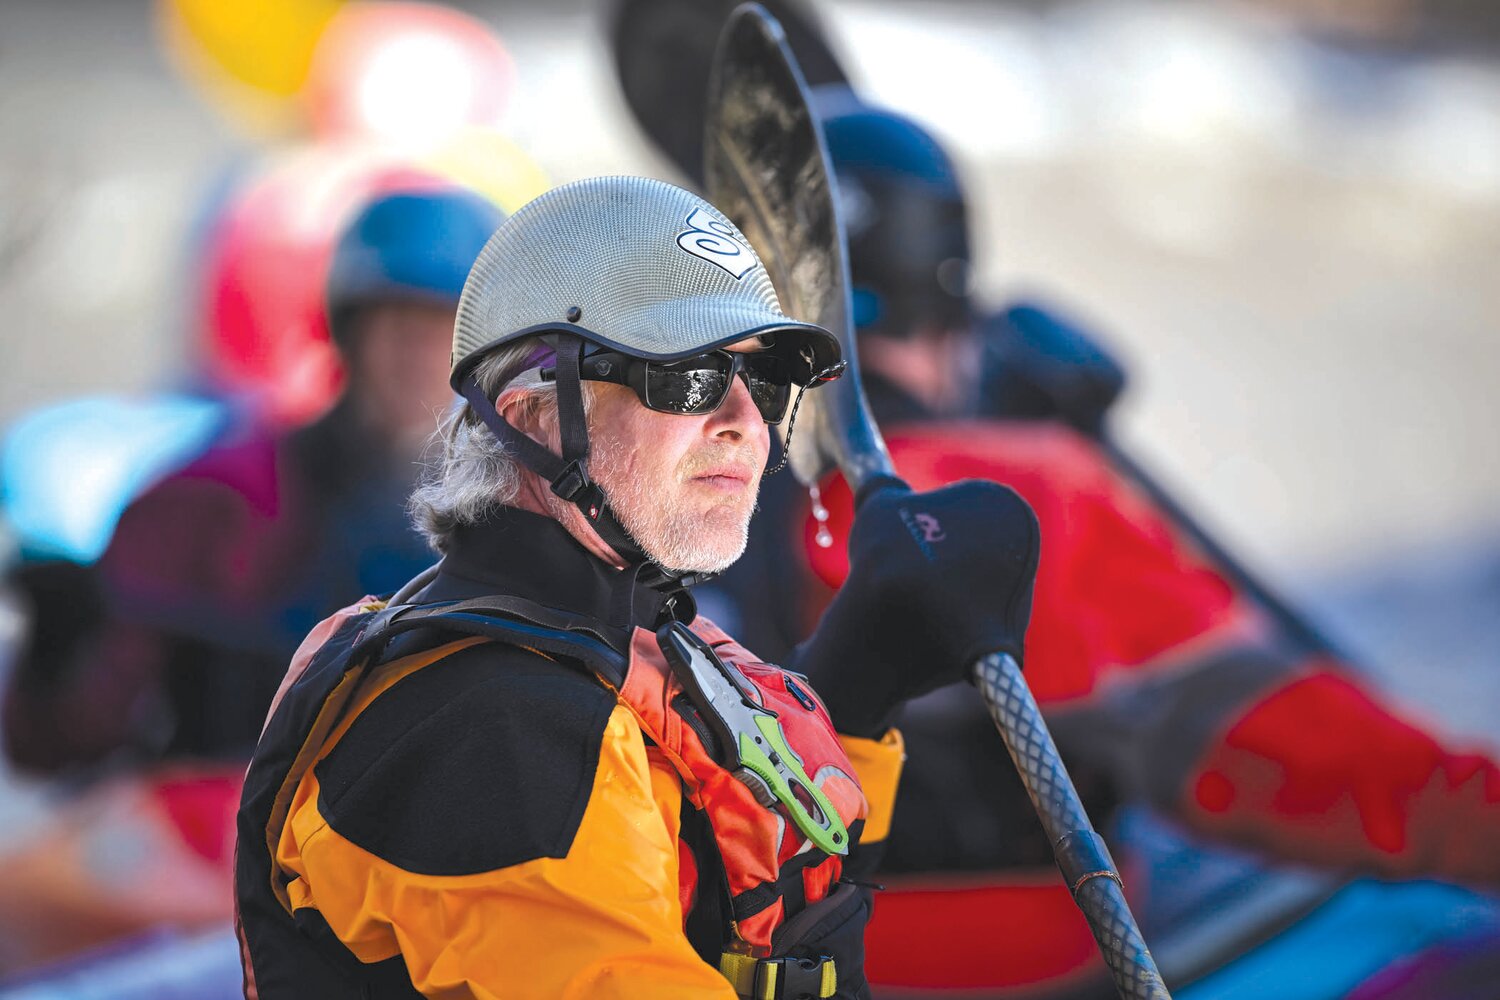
(936, 580)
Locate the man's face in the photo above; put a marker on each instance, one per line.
(398, 369)
(684, 486)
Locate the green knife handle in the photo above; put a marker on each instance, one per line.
(768, 757)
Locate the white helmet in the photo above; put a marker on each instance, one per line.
(633, 264)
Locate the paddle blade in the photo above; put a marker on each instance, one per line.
(768, 169)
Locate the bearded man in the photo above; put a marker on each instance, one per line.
(535, 771)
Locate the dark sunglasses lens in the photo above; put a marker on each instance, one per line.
(694, 385)
(770, 386)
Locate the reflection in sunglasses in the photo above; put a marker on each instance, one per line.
(703, 387)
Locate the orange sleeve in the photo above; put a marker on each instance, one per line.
(877, 765)
(603, 922)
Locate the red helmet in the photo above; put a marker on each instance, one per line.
(261, 321)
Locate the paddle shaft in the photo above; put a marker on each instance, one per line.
(767, 167)
(1081, 855)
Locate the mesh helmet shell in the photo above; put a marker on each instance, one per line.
(636, 264)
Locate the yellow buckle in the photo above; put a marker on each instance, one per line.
(779, 978)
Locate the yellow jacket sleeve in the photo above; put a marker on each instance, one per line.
(605, 921)
(877, 765)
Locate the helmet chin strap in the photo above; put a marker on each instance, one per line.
(568, 474)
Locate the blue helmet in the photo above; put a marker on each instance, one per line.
(904, 210)
(407, 245)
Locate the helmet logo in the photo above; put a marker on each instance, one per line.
(716, 243)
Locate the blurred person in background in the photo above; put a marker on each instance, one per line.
(165, 653)
(1164, 683)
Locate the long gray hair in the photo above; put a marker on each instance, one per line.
(468, 474)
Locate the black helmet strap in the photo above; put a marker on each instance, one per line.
(570, 417)
(567, 474)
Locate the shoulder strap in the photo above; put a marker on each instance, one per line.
(603, 649)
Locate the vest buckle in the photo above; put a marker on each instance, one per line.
(780, 978)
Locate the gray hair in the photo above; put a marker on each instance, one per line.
(469, 474)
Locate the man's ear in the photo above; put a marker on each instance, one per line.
(525, 412)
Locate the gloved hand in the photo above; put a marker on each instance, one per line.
(936, 580)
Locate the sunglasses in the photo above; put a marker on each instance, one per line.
(693, 385)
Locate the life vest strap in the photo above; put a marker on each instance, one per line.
(787, 886)
(779, 978)
(508, 619)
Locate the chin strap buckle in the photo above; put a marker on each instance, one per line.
(574, 486)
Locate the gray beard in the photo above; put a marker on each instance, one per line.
(672, 535)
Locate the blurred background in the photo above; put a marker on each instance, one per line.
(1282, 216)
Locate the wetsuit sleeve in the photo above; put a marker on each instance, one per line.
(877, 765)
(1317, 768)
(1297, 758)
(600, 919)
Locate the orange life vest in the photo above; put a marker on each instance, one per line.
(767, 860)
(771, 871)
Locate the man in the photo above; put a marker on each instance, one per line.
(164, 654)
(214, 574)
(526, 775)
(1162, 683)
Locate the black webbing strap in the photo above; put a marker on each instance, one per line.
(568, 474)
(507, 619)
(787, 886)
(570, 418)
(518, 607)
(568, 479)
